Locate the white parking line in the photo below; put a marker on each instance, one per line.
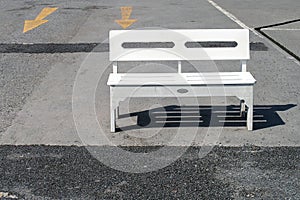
(232, 17)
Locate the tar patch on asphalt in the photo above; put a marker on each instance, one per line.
(104, 47)
(258, 46)
(70, 172)
(54, 48)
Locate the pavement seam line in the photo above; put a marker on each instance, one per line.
(279, 24)
(260, 30)
(289, 52)
(282, 29)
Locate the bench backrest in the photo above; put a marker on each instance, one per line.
(179, 44)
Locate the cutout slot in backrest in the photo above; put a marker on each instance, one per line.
(137, 45)
(211, 44)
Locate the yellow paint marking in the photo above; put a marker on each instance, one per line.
(31, 24)
(39, 20)
(125, 22)
(126, 12)
(45, 12)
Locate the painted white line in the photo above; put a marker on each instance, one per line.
(281, 29)
(234, 121)
(232, 17)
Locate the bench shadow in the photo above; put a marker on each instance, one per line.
(264, 116)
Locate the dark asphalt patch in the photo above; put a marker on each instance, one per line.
(87, 8)
(59, 172)
(54, 48)
(96, 47)
(258, 46)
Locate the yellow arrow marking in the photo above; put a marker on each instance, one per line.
(125, 22)
(39, 20)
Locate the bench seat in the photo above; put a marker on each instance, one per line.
(175, 79)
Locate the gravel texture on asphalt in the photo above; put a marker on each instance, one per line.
(58, 172)
(19, 75)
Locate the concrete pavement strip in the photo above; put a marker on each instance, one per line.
(46, 118)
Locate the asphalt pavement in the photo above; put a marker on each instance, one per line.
(43, 172)
(44, 154)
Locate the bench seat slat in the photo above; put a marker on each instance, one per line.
(215, 78)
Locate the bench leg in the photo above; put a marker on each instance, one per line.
(249, 103)
(112, 120)
(112, 113)
(250, 118)
(118, 112)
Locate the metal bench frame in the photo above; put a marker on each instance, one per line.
(238, 84)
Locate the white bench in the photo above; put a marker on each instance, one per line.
(123, 85)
